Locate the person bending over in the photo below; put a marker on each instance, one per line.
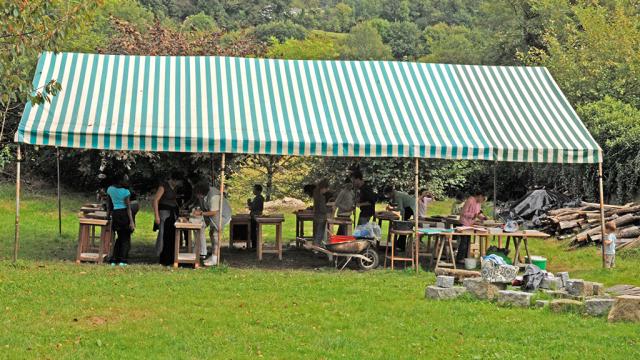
(209, 200)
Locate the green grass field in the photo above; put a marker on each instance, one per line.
(53, 308)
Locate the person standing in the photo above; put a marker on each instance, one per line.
(365, 196)
(470, 213)
(209, 199)
(405, 205)
(165, 208)
(610, 245)
(320, 212)
(256, 207)
(424, 199)
(345, 204)
(122, 222)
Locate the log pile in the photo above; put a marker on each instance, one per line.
(582, 224)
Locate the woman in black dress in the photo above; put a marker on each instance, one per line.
(165, 207)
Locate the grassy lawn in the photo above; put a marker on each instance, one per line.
(52, 308)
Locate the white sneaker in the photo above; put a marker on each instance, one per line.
(211, 261)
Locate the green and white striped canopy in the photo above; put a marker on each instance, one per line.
(292, 107)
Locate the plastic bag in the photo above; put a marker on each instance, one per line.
(368, 230)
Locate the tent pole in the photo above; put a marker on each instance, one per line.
(59, 202)
(495, 191)
(217, 249)
(416, 216)
(16, 243)
(602, 225)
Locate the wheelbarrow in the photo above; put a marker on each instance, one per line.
(361, 250)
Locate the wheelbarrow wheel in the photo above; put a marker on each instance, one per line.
(371, 260)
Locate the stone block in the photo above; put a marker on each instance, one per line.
(625, 308)
(564, 277)
(542, 303)
(444, 281)
(580, 288)
(514, 298)
(551, 283)
(558, 294)
(566, 305)
(440, 293)
(598, 289)
(483, 289)
(598, 307)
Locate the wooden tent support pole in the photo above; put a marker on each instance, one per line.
(222, 167)
(602, 225)
(416, 216)
(59, 201)
(16, 242)
(495, 190)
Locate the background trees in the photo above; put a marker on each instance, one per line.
(591, 48)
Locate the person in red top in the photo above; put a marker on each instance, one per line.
(470, 213)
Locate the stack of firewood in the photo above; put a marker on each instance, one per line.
(582, 224)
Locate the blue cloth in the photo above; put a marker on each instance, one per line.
(495, 259)
(118, 195)
(429, 231)
(610, 249)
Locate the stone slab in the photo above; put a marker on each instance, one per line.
(625, 308)
(440, 293)
(564, 276)
(483, 289)
(598, 307)
(551, 283)
(542, 303)
(514, 298)
(444, 281)
(566, 305)
(579, 287)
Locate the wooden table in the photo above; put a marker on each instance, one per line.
(519, 237)
(346, 221)
(393, 258)
(302, 216)
(240, 220)
(382, 216)
(277, 221)
(87, 249)
(192, 256)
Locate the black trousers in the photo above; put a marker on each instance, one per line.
(168, 241)
(120, 226)
(364, 218)
(254, 233)
(402, 239)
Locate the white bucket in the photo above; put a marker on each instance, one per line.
(470, 263)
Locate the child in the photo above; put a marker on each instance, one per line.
(423, 202)
(256, 206)
(320, 212)
(610, 245)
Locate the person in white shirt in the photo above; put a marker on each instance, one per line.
(209, 200)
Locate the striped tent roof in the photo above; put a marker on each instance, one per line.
(296, 107)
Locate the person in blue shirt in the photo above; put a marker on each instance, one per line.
(610, 245)
(122, 223)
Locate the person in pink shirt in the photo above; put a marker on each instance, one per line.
(471, 212)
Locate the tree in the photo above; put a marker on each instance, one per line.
(455, 44)
(339, 18)
(404, 38)
(281, 30)
(318, 45)
(200, 22)
(271, 167)
(397, 10)
(28, 28)
(364, 43)
(596, 55)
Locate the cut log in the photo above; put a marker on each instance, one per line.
(568, 224)
(629, 232)
(627, 210)
(597, 206)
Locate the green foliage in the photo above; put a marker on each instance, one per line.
(200, 22)
(404, 38)
(338, 18)
(364, 43)
(616, 127)
(596, 55)
(281, 30)
(397, 10)
(318, 45)
(453, 44)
